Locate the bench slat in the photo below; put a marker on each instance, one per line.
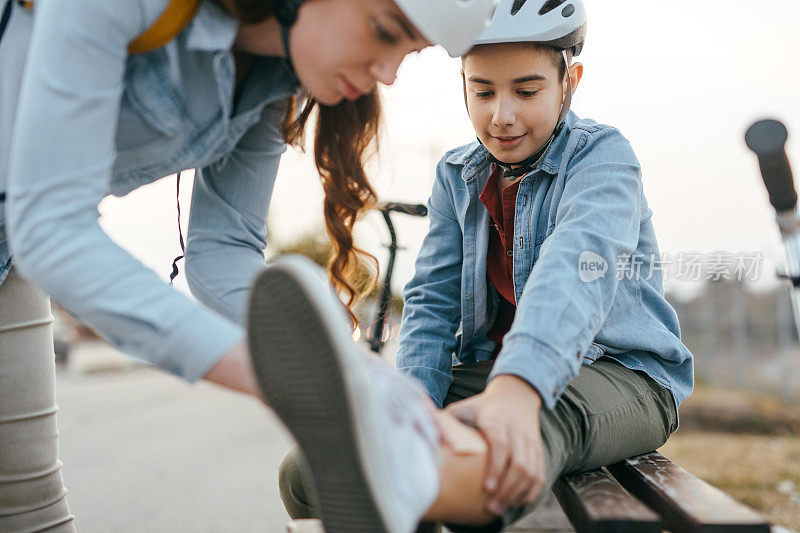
(595, 502)
(686, 503)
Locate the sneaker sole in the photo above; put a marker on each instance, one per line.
(304, 378)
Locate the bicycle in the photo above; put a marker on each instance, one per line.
(375, 338)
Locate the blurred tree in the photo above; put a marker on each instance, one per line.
(317, 247)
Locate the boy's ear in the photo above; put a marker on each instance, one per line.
(575, 75)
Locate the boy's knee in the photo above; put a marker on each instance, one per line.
(295, 486)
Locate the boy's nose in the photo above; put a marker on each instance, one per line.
(504, 114)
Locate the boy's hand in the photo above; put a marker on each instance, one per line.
(507, 413)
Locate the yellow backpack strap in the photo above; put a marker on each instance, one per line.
(166, 27)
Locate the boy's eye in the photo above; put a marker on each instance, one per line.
(384, 35)
(483, 94)
(527, 94)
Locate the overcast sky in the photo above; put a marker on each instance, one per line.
(681, 80)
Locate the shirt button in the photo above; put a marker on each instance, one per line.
(510, 253)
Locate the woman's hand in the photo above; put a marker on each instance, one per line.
(507, 413)
(235, 371)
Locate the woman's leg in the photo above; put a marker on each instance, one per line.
(32, 495)
(294, 474)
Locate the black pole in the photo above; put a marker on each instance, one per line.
(376, 334)
(375, 338)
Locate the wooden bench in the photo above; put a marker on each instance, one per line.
(651, 493)
(647, 493)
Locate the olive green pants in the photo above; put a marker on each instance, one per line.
(606, 414)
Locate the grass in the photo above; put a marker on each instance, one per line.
(746, 445)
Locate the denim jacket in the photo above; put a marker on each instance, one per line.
(581, 208)
(93, 121)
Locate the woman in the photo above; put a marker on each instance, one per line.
(89, 119)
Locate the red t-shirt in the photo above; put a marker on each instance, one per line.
(500, 257)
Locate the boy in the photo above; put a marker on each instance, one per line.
(561, 365)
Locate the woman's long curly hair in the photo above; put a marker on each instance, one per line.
(345, 135)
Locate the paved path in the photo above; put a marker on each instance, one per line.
(144, 452)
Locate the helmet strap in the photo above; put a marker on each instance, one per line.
(565, 105)
(286, 13)
(512, 171)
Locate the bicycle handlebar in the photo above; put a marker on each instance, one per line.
(415, 210)
(767, 138)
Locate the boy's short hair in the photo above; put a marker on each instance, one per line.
(555, 55)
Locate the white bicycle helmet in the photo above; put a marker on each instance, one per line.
(557, 23)
(454, 24)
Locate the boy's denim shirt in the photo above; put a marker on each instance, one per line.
(93, 121)
(583, 203)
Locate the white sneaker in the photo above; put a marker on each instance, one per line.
(372, 447)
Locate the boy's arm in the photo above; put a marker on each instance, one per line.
(432, 309)
(559, 313)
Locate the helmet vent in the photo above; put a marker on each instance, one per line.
(550, 5)
(516, 6)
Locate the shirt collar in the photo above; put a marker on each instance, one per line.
(212, 29)
(271, 79)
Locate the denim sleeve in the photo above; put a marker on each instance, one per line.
(61, 161)
(227, 225)
(559, 313)
(432, 304)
